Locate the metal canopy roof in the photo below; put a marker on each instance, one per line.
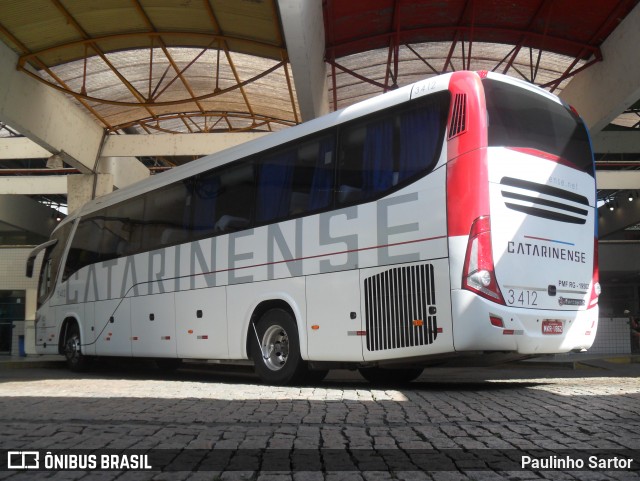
(389, 43)
(153, 65)
(147, 66)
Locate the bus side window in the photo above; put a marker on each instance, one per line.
(44, 282)
(275, 181)
(235, 198)
(164, 212)
(296, 180)
(322, 168)
(366, 160)
(379, 154)
(204, 190)
(86, 247)
(420, 139)
(123, 226)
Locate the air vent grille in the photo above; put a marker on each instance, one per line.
(544, 201)
(400, 308)
(459, 116)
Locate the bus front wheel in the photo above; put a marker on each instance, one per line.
(275, 348)
(76, 361)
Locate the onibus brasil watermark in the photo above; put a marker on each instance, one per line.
(68, 462)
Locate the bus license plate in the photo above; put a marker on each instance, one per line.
(552, 326)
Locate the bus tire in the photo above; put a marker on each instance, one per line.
(72, 350)
(377, 375)
(277, 357)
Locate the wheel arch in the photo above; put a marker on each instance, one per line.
(68, 322)
(274, 303)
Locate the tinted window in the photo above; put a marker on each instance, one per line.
(51, 262)
(123, 229)
(86, 245)
(386, 151)
(295, 180)
(114, 232)
(166, 216)
(223, 200)
(521, 118)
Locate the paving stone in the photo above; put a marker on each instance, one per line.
(464, 419)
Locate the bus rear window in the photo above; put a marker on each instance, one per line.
(524, 119)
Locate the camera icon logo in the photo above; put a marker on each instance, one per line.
(23, 460)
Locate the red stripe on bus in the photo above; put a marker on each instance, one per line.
(317, 256)
(467, 173)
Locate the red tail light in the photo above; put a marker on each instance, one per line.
(479, 271)
(595, 284)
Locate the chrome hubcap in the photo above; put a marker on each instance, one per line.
(73, 347)
(275, 348)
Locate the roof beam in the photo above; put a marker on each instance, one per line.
(34, 185)
(12, 148)
(46, 116)
(606, 89)
(616, 142)
(24, 213)
(304, 34)
(618, 179)
(174, 144)
(124, 170)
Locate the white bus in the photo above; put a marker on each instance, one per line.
(455, 216)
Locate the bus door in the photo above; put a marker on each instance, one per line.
(406, 310)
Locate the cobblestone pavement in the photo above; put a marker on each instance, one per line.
(478, 423)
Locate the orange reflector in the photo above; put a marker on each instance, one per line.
(315, 327)
(496, 321)
(418, 322)
(190, 331)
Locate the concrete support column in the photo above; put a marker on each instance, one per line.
(304, 34)
(85, 187)
(31, 297)
(124, 170)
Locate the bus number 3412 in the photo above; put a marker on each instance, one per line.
(522, 298)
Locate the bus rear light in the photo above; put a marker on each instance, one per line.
(496, 321)
(479, 273)
(595, 284)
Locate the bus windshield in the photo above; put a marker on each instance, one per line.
(521, 118)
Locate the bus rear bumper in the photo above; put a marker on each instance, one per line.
(476, 326)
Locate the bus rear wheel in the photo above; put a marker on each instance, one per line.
(76, 361)
(277, 354)
(378, 375)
